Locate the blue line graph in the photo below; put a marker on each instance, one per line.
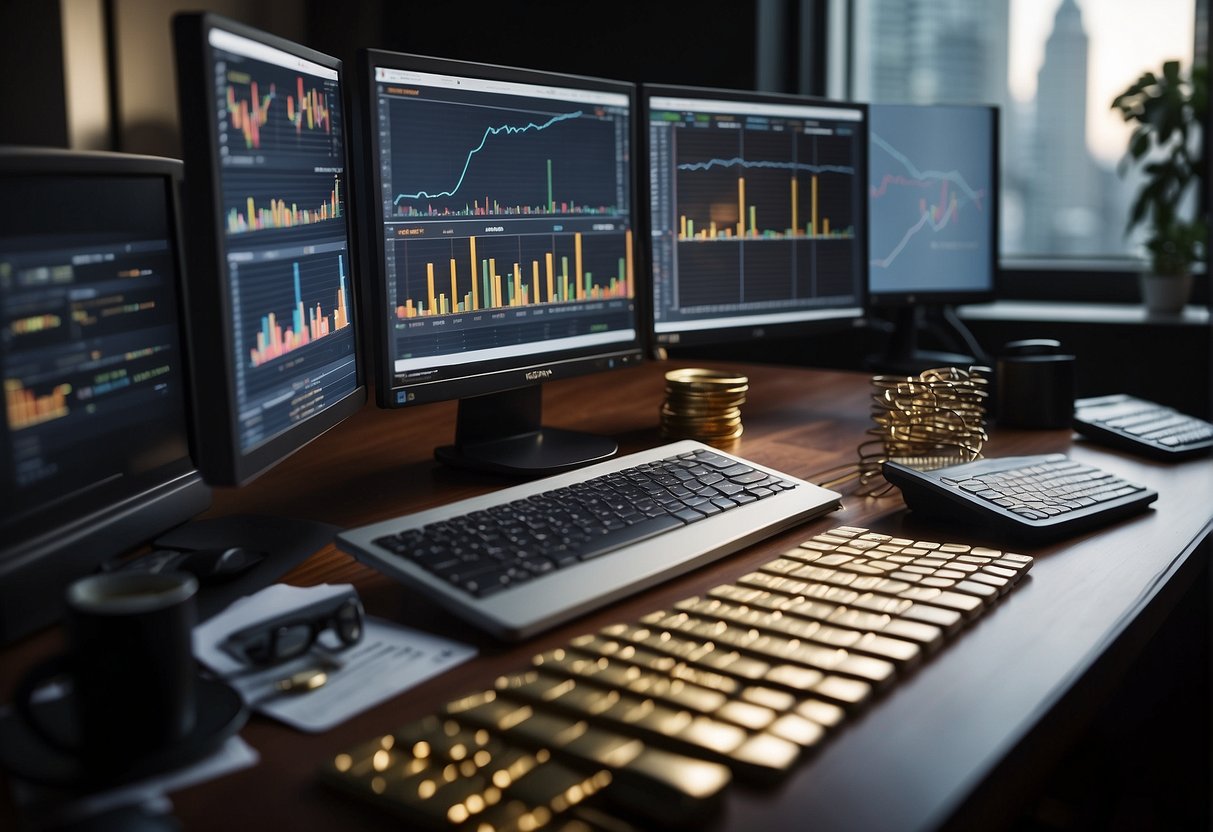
(506, 129)
(737, 161)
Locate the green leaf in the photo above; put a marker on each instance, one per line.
(1169, 111)
(1139, 142)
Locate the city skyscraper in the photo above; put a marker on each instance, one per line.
(1062, 180)
(1061, 194)
(933, 51)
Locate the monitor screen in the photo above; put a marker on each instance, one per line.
(94, 453)
(756, 214)
(500, 219)
(271, 275)
(933, 226)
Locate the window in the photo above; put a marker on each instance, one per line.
(1053, 66)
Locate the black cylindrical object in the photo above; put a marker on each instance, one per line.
(1034, 385)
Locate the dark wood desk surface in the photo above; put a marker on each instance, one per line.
(954, 741)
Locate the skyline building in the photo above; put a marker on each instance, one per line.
(1057, 198)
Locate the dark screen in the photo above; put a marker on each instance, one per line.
(90, 348)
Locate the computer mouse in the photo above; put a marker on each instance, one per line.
(217, 565)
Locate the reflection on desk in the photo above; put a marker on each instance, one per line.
(965, 740)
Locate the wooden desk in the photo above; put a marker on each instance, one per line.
(956, 742)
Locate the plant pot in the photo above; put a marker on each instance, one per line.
(1165, 294)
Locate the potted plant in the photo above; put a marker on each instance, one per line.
(1167, 143)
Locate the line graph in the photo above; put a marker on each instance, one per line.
(916, 177)
(929, 195)
(759, 185)
(485, 156)
(737, 161)
(936, 216)
(506, 129)
(753, 215)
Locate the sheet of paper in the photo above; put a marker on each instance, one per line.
(388, 660)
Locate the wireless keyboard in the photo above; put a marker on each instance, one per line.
(646, 724)
(1034, 498)
(530, 556)
(1142, 427)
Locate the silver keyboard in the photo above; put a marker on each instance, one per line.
(528, 557)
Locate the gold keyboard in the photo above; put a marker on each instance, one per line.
(647, 723)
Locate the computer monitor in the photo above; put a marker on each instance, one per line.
(271, 274)
(94, 443)
(756, 214)
(500, 224)
(933, 225)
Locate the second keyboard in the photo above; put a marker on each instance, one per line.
(1037, 498)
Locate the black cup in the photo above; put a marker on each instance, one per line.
(1034, 385)
(130, 666)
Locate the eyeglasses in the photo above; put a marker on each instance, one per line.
(335, 623)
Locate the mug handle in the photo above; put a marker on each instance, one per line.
(34, 679)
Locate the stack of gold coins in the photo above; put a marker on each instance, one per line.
(703, 404)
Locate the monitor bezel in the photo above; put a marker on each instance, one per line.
(890, 299)
(111, 518)
(848, 317)
(208, 300)
(506, 374)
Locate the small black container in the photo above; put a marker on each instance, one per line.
(1034, 385)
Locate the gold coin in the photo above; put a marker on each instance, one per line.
(700, 411)
(720, 396)
(700, 375)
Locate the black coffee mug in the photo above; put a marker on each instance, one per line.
(130, 666)
(1034, 385)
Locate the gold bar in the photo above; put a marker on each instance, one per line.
(475, 273)
(813, 205)
(795, 196)
(429, 276)
(741, 206)
(551, 275)
(577, 268)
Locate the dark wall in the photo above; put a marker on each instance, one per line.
(31, 62)
(1165, 361)
(707, 43)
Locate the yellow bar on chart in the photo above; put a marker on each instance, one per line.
(475, 279)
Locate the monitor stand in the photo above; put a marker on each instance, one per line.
(502, 432)
(903, 357)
